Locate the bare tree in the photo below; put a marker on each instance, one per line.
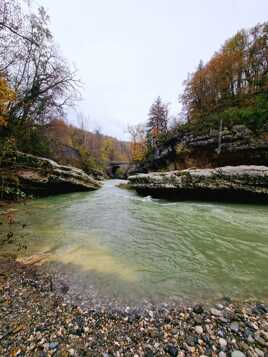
(44, 82)
(11, 20)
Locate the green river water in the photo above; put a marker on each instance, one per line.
(115, 243)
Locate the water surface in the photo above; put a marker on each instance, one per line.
(114, 243)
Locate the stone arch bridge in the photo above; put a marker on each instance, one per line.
(114, 166)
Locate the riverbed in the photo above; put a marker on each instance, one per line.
(114, 244)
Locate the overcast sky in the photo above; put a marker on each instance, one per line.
(128, 52)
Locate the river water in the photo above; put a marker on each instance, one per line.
(115, 243)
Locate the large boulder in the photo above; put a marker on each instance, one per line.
(40, 176)
(229, 183)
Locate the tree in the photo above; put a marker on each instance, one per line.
(138, 142)
(235, 77)
(157, 121)
(43, 81)
(11, 19)
(7, 96)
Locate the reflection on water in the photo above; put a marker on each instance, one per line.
(139, 247)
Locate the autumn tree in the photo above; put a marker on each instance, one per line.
(7, 96)
(236, 78)
(43, 81)
(157, 123)
(138, 142)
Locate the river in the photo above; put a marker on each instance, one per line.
(116, 244)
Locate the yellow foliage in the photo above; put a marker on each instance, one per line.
(7, 95)
(106, 150)
(138, 151)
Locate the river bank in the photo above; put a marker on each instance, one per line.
(36, 321)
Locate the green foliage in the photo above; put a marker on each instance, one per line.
(11, 193)
(254, 117)
(120, 173)
(7, 152)
(31, 139)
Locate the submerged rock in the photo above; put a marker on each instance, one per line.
(229, 183)
(41, 176)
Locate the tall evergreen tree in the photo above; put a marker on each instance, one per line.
(157, 121)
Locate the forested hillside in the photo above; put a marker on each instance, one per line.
(228, 91)
(233, 85)
(91, 151)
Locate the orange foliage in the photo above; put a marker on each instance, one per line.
(7, 95)
(232, 77)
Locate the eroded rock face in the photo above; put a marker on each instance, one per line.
(40, 176)
(236, 146)
(229, 183)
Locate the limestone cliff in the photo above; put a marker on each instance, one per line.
(230, 183)
(236, 146)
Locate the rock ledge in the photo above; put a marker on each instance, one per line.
(41, 176)
(229, 183)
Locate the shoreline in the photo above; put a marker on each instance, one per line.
(36, 321)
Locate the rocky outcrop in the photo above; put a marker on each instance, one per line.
(236, 146)
(40, 176)
(230, 183)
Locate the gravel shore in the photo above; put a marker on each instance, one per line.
(35, 321)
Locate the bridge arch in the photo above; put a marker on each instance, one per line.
(114, 167)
